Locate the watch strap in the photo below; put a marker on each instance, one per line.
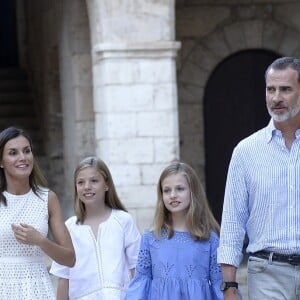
(228, 284)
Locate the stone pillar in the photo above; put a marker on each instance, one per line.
(76, 92)
(135, 96)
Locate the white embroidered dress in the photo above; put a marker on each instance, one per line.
(23, 271)
(102, 264)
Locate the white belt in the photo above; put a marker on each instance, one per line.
(21, 259)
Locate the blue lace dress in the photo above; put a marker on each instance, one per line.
(179, 268)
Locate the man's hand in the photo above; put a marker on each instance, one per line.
(231, 294)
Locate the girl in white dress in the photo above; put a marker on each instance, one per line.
(27, 208)
(105, 238)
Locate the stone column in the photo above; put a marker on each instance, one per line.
(135, 96)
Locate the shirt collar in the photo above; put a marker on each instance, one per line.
(270, 131)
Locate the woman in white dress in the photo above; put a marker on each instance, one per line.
(105, 238)
(27, 209)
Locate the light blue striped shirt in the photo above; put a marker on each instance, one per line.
(262, 197)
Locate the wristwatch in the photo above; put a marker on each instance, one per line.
(228, 284)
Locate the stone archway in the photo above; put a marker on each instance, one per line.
(234, 107)
(200, 57)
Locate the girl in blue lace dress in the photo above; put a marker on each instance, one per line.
(177, 259)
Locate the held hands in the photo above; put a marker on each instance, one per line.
(26, 234)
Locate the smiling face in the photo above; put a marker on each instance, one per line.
(17, 159)
(176, 193)
(283, 95)
(90, 186)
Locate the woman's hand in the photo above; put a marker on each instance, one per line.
(26, 234)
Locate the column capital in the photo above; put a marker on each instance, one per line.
(137, 50)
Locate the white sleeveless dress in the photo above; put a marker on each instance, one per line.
(23, 271)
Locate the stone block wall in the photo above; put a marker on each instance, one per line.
(137, 128)
(211, 31)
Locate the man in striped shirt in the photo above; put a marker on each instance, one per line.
(262, 196)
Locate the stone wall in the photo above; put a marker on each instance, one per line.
(105, 79)
(135, 97)
(211, 31)
(76, 86)
(40, 58)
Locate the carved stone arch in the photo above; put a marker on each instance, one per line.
(268, 38)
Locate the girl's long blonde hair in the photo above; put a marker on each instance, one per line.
(200, 220)
(111, 197)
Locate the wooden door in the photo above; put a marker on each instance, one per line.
(234, 107)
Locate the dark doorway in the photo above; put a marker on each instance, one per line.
(234, 107)
(8, 34)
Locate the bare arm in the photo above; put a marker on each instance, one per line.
(62, 289)
(229, 274)
(61, 249)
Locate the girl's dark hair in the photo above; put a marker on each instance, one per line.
(36, 178)
(111, 197)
